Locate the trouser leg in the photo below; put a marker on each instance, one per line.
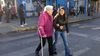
(64, 38)
(50, 45)
(39, 46)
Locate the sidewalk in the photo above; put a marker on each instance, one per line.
(83, 18)
(14, 25)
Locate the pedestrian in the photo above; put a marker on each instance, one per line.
(81, 9)
(45, 29)
(13, 12)
(72, 12)
(88, 11)
(54, 11)
(7, 10)
(21, 15)
(1, 13)
(61, 27)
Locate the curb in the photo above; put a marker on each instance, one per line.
(21, 29)
(84, 20)
(26, 28)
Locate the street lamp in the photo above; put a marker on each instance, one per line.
(85, 5)
(76, 7)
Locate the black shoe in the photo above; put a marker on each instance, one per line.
(51, 55)
(70, 55)
(36, 53)
(55, 53)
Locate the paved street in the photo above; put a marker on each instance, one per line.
(84, 40)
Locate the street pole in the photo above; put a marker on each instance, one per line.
(85, 7)
(56, 4)
(72, 3)
(77, 7)
(49, 2)
(16, 5)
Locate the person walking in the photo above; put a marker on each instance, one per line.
(61, 26)
(21, 15)
(7, 10)
(1, 13)
(45, 29)
(13, 12)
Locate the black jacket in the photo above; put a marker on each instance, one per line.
(62, 20)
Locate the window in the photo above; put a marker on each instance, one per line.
(27, 1)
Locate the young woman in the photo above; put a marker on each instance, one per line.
(61, 26)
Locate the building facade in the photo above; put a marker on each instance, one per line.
(2, 2)
(98, 6)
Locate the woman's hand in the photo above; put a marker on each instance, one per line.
(61, 27)
(57, 25)
(44, 36)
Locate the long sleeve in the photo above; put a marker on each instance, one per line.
(67, 29)
(41, 24)
(55, 22)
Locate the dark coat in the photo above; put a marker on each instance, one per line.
(62, 21)
(21, 11)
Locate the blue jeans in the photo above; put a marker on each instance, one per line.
(64, 36)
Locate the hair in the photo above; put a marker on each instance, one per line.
(58, 12)
(61, 8)
(47, 7)
(21, 5)
(65, 14)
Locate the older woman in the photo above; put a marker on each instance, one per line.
(45, 29)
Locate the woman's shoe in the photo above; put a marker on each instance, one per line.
(55, 53)
(51, 55)
(70, 55)
(36, 53)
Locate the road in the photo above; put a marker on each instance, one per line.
(84, 40)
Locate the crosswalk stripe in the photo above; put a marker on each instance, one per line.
(74, 25)
(79, 34)
(96, 38)
(76, 53)
(86, 26)
(29, 50)
(96, 28)
(16, 37)
(81, 51)
(29, 35)
(23, 52)
(26, 51)
(20, 52)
